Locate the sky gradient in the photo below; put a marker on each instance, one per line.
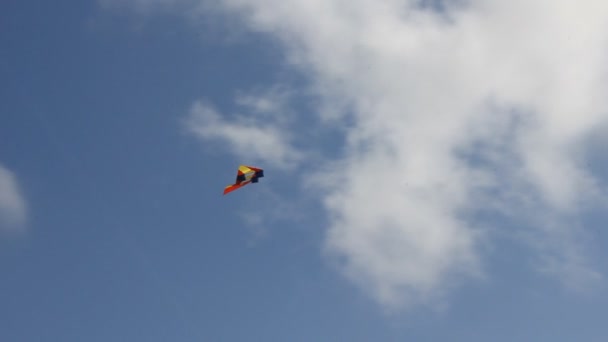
(433, 170)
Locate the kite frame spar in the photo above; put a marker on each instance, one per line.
(245, 175)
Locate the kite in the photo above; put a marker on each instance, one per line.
(244, 176)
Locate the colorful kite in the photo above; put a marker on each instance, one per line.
(244, 176)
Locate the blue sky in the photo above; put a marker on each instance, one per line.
(423, 181)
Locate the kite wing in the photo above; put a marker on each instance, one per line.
(245, 175)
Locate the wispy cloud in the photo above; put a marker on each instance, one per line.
(456, 109)
(260, 133)
(12, 203)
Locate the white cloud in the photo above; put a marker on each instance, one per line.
(483, 106)
(12, 204)
(261, 136)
